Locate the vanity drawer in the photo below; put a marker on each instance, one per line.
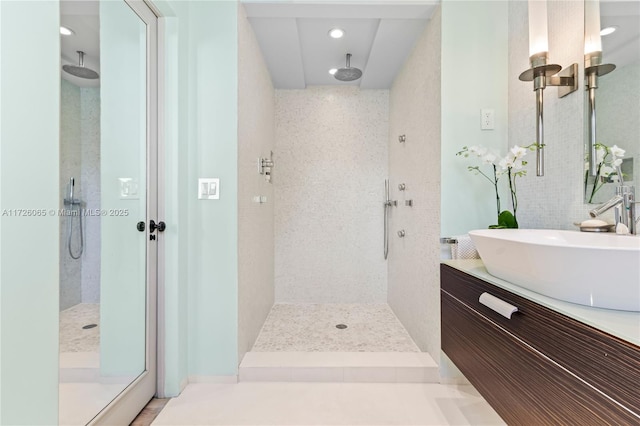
(523, 386)
(608, 363)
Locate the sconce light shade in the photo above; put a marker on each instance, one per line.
(538, 33)
(592, 38)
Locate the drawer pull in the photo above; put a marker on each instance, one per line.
(500, 306)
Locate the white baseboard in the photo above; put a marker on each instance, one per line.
(213, 379)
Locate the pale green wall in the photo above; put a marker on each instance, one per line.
(29, 152)
(200, 128)
(474, 76)
(213, 224)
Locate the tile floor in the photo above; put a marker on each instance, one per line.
(328, 404)
(83, 393)
(312, 328)
(73, 338)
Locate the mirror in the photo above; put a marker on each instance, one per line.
(617, 97)
(102, 179)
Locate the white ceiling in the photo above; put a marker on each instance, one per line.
(623, 46)
(294, 40)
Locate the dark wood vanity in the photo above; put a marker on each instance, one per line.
(540, 367)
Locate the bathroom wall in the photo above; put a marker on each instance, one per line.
(474, 76)
(255, 219)
(29, 180)
(90, 191)
(554, 200)
(618, 103)
(80, 158)
(413, 260)
(331, 160)
(70, 165)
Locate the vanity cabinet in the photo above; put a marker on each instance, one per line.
(539, 367)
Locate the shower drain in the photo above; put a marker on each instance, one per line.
(341, 326)
(88, 326)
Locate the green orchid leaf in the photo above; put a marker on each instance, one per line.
(507, 220)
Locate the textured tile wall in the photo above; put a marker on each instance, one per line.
(255, 223)
(556, 199)
(90, 188)
(80, 159)
(331, 161)
(70, 163)
(414, 278)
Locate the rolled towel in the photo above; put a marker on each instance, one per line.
(464, 248)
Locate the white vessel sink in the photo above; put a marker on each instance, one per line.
(594, 269)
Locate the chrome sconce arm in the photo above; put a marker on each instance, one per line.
(593, 68)
(543, 75)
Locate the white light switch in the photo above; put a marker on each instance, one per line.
(128, 188)
(208, 189)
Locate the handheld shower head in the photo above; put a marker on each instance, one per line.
(348, 73)
(80, 70)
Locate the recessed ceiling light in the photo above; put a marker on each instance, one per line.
(332, 71)
(336, 33)
(66, 31)
(608, 30)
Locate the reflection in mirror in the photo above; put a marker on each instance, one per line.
(617, 98)
(102, 296)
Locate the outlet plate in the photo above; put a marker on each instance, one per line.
(487, 120)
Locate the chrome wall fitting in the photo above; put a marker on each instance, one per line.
(408, 203)
(543, 75)
(593, 68)
(402, 138)
(265, 165)
(402, 186)
(401, 233)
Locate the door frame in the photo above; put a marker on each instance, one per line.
(125, 407)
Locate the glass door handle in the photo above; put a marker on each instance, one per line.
(160, 226)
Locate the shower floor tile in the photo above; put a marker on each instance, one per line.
(73, 338)
(312, 328)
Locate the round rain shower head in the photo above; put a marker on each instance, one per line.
(80, 70)
(348, 73)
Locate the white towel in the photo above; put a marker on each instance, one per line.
(464, 248)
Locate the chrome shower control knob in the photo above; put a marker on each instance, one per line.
(402, 187)
(401, 233)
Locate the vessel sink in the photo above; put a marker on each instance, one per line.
(594, 269)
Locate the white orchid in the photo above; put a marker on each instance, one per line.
(608, 162)
(616, 152)
(511, 165)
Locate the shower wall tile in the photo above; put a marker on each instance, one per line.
(90, 189)
(554, 200)
(255, 220)
(330, 164)
(70, 166)
(414, 279)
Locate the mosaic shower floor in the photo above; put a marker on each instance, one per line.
(312, 328)
(73, 338)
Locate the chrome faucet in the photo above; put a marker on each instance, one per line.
(625, 208)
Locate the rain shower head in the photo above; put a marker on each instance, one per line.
(348, 73)
(80, 70)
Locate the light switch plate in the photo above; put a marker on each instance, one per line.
(129, 189)
(208, 189)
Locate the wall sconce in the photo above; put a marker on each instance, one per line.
(543, 74)
(593, 68)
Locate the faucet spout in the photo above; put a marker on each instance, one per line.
(613, 202)
(625, 205)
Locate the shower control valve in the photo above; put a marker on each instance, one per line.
(401, 233)
(402, 186)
